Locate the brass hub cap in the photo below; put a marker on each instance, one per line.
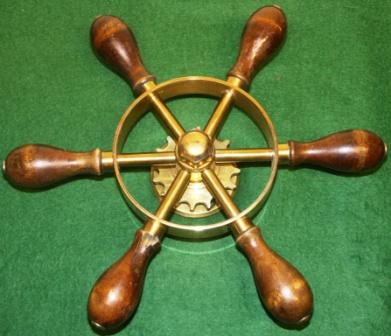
(195, 151)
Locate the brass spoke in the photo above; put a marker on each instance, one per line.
(221, 110)
(163, 112)
(252, 154)
(137, 159)
(167, 205)
(169, 158)
(225, 201)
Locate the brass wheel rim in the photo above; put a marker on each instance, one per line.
(205, 86)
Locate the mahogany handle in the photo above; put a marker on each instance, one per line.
(116, 294)
(283, 290)
(38, 166)
(262, 36)
(352, 151)
(116, 46)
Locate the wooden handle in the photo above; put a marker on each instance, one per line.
(262, 36)
(283, 290)
(115, 44)
(39, 166)
(116, 294)
(353, 151)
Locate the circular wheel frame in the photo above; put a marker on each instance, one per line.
(206, 86)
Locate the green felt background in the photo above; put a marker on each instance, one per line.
(332, 74)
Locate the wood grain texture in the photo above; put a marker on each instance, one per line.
(262, 36)
(35, 166)
(116, 294)
(352, 151)
(283, 290)
(116, 46)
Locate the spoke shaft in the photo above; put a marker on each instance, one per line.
(166, 207)
(253, 154)
(169, 158)
(224, 199)
(137, 159)
(164, 112)
(221, 110)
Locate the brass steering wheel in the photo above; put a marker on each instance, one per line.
(195, 157)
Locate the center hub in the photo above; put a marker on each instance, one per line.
(196, 201)
(195, 150)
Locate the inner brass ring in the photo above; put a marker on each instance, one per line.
(206, 86)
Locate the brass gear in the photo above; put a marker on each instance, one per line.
(196, 201)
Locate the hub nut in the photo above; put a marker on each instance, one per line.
(195, 150)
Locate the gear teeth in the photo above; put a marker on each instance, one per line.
(223, 144)
(235, 171)
(228, 176)
(230, 186)
(169, 147)
(196, 201)
(209, 204)
(195, 196)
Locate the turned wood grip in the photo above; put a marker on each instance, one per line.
(116, 294)
(39, 166)
(262, 36)
(353, 151)
(283, 290)
(116, 46)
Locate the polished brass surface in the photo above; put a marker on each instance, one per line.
(197, 201)
(168, 157)
(218, 116)
(195, 85)
(284, 153)
(253, 154)
(163, 111)
(137, 159)
(194, 151)
(242, 224)
(222, 108)
(166, 207)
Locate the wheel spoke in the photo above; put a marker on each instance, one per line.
(252, 154)
(137, 159)
(168, 158)
(225, 201)
(221, 110)
(164, 113)
(167, 205)
(219, 114)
